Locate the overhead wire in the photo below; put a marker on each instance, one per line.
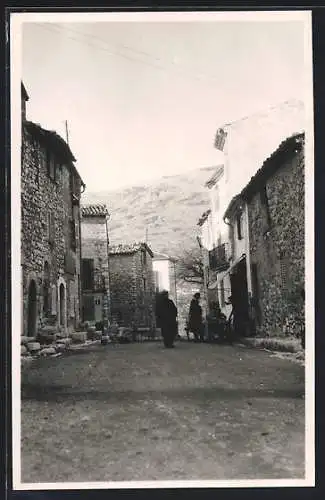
(205, 79)
(181, 71)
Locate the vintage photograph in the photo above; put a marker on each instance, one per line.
(162, 197)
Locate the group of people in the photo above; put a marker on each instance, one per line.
(166, 315)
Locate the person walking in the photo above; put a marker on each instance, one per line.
(195, 323)
(166, 314)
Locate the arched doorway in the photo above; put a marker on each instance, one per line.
(32, 309)
(62, 304)
(46, 290)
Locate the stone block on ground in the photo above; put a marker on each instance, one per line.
(61, 335)
(47, 351)
(33, 347)
(64, 341)
(79, 337)
(105, 339)
(60, 347)
(46, 338)
(91, 332)
(24, 339)
(48, 329)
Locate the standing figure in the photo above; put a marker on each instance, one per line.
(195, 323)
(166, 313)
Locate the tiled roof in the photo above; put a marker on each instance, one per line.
(24, 92)
(51, 138)
(131, 248)
(94, 210)
(54, 141)
(160, 256)
(250, 141)
(215, 177)
(204, 217)
(272, 163)
(268, 168)
(235, 201)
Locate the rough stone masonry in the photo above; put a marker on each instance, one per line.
(50, 230)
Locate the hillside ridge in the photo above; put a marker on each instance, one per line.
(165, 210)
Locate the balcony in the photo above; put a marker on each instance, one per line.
(93, 282)
(218, 258)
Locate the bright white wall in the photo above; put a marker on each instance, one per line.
(162, 268)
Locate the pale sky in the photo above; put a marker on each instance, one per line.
(144, 100)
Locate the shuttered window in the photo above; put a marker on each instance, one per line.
(51, 227)
(222, 293)
(284, 272)
(87, 275)
(265, 204)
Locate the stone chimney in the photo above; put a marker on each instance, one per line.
(24, 99)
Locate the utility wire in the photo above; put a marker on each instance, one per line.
(201, 78)
(124, 46)
(180, 71)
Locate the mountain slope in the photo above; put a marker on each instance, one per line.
(168, 209)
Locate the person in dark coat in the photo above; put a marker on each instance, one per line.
(195, 323)
(166, 314)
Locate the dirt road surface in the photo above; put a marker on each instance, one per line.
(142, 412)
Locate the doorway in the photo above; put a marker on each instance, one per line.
(239, 293)
(32, 309)
(62, 304)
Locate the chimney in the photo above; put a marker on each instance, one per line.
(24, 99)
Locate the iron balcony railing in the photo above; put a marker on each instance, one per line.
(94, 281)
(218, 260)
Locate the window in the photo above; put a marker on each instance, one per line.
(87, 275)
(239, 226)
(51, 227)
(72, 234)
(46, 290)
(265, 204)
(51, 166)
(256, 294)
(143, 257)
(222, 293)
(284, 272)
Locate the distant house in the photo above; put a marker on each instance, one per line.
(50, 229)
(132, 288)
(214, 234)
(270, 212)
(95, 264)
(164, 274)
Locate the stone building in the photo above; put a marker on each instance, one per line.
(243, 146)
(273, 202)
(95, 264)
(132, 288)
(50, 229)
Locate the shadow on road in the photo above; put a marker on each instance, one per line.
(57, 393)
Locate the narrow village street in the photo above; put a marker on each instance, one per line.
(142, 412)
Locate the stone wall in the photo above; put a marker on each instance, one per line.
(277, 251)
(46, 208)
(94, 246)
(131, 304)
